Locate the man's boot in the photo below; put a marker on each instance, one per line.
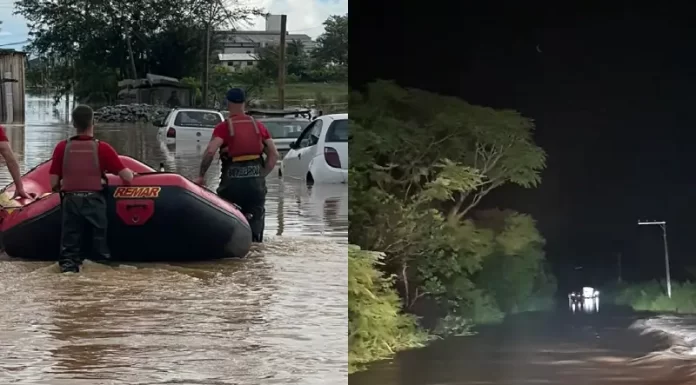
(69, 266)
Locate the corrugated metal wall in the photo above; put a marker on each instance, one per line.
(13, 62)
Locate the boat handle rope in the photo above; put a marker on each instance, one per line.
(35, 198)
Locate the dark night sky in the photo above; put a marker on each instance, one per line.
(613, 95)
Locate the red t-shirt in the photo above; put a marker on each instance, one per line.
(3, 136)
(108, 157)
(223, 132)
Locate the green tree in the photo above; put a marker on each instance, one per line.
(176, 51)
(326, 63)
(296, 48)
(37, 73)
(429, 255)
(413, 130)
(196, 86)
(422, 163)
(332, 45)
(515, 272)
(376, 327)
(90, 38)
(297, 61)
(252, 80)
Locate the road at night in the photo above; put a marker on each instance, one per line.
(553, 348)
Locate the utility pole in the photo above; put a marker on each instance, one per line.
(212, 11)
(618, 263)
(663, 225)
(281, 62)
(130, 53)
(74, 82)
(69, 62)
(206, 69)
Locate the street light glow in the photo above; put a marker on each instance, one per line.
(661, 223)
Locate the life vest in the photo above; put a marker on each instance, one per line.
(245, 141)
(81, 169)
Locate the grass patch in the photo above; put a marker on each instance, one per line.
(336, 92)
(652, 296)
(377, 328)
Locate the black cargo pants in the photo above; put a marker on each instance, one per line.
(243, 184)
(84, 227)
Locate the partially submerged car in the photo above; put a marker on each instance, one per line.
(188, 125)
(586, 293)
(587, 299)
(285, 126)
(284, 132)
(320, 153)
(298, 113)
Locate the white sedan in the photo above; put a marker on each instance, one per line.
(190, 125)
(320, 153)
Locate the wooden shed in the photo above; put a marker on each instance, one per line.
(12, 96)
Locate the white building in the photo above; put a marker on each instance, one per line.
(237, 61)
(251, 41)
(248, 42)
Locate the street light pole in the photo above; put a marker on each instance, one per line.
(663, 225)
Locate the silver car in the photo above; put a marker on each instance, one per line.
(284, 131)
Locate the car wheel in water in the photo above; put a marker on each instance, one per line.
(310, 179)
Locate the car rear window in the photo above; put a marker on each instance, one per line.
(338, 131)
(282, 129)
(197, 119)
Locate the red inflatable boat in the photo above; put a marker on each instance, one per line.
(159, 217)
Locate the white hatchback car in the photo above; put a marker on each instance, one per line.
(188, 124)
(320, 153)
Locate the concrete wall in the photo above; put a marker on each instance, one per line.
(236, 65)
(249, 50)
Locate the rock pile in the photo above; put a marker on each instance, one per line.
(126, 113)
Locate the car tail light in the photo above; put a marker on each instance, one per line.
(331, 157)
(171, 133)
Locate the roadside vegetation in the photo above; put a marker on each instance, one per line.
(85, 48)
(652, 296)
(377, 328)
(421, 164)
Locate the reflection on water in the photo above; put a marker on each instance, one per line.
(588, 305)
(278, 317)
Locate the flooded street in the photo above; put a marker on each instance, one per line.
(277, 317)
(545, 348)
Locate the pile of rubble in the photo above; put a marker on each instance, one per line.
(126, 113)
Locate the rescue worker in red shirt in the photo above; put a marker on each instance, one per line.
(12, 165)
(78, 173)
(242, 141)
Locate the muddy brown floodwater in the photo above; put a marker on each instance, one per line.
(277, 317)
(555, 348)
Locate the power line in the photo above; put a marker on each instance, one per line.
(17, 43)
(307, 29)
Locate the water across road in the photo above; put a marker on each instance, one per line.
(606, 348)
(278, 317)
